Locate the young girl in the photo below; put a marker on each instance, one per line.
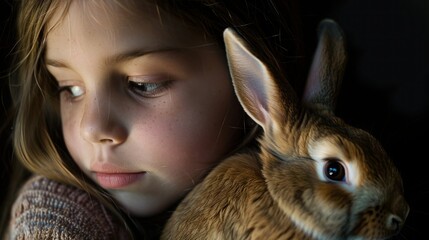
(123, 106)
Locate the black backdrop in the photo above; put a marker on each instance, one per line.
(385, 91)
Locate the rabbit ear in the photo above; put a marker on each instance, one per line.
(327, 69)
(254, 85)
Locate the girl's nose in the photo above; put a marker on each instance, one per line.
(103, 122)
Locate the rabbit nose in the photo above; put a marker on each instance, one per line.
(394, 223)
(396, 219)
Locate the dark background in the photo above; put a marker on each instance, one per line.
(385, 91)
(6, 43)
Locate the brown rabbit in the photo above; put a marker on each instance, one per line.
(315, 177)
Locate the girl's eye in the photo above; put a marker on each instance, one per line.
(72, 91)
(147, 86)
(76, 91)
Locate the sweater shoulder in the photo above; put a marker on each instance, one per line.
(46, 209)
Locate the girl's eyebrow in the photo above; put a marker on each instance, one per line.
(56, 63)
(133, 54)
(117, 58)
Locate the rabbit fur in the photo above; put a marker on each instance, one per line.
(313, 176)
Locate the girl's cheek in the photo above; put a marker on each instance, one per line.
(70, 120)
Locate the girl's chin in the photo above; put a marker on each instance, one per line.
(140, 204)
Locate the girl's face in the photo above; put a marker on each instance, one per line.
(147, 106)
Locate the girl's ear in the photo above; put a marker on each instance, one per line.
(327, 69)
(254, 85)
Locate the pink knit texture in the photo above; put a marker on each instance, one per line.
(46, 209)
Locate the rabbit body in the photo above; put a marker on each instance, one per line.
(240, 207)
(313, 176)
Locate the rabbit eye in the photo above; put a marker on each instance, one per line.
(334, 170)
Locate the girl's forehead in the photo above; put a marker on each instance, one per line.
(107, 11)
(80, 18)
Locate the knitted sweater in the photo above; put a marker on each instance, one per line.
(46, 209)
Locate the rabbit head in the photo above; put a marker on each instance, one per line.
(332, 180)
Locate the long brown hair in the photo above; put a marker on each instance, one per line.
(270, 27)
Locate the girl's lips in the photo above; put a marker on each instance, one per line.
(117, 180)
